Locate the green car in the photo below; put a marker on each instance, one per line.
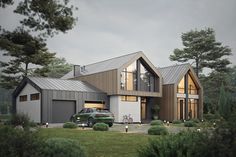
(90, 116)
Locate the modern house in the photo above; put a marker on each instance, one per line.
(126, 85)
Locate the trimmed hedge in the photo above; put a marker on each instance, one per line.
(156, 122)
(157, 130)
(70, 125)
(177, 122)
(189, 124)
(100, 127)
(62, 147)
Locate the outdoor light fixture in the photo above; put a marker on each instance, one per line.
(202, 120)
(164, 121)
(47, 125)
(83, 125)
(168, 123)
(198, 130)
(214, 125)
(126, 128)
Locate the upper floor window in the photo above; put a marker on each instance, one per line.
(34, 96)
(192, 88)
(138, 77)
(181, 86)
(23, 98)
(128, 77)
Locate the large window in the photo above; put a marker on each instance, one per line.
(129, 98)
(128, 77)
(192, 89)
(137, 77)
(192, 108)
(181, 86)
(146, 79)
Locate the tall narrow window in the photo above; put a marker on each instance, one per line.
(128, 77)
(181, 88)
(23, 98)
(192, 89)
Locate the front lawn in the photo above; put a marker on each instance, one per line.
(102, 144)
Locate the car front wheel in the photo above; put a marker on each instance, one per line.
(90, 122)
(110, 124)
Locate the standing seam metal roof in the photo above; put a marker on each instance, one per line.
(172, 74)
(66, 85)
(110, 64)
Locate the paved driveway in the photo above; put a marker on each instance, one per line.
(132, 128)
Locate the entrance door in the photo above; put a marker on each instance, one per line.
(181, 108)
(143, 108)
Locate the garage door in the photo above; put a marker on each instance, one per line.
(62, 111)
(94, 105)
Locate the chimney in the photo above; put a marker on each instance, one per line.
(77, 70)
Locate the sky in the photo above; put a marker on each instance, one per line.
(111, 28)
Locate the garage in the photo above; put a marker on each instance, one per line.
(95, 104)
(62, 110)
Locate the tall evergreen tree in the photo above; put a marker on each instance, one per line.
(224, 103)
(26, 45)
(202, 48)
(56, 69)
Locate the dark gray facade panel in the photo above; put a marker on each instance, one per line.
(62, 110)
(79, 98)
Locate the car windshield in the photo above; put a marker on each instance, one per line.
(102, 110)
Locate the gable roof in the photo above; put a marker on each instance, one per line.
(173, 74)
(56, 84)
(106, 65)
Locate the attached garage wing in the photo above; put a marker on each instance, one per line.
(62, 110)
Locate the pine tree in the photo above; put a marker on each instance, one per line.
(201, 48)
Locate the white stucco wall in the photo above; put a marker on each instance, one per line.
(30, 108)
(120, 108)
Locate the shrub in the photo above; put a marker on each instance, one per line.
(62, 147)
(20, 119)
(195, 120)
(70, 125)
(180, 145)
(33, 124)
(17, 142)
(177, 122)
(156, 122)
(157, 130)
(211, 117)
(100, 127)
(189, 124)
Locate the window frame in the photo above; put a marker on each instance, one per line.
(23, 98)
(32, 96)
(126, 98)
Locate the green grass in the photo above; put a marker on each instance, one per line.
(102, 144)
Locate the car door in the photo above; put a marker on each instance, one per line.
(82, 115)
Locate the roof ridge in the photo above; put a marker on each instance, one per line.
(113, 58)
(53, 78)
(173, 65)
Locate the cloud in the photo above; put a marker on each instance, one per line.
(107, 29)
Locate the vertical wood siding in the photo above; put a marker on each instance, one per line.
(105, 81)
